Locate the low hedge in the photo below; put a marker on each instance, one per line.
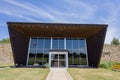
(110, 65)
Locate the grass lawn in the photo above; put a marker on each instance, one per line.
(93, 74)
(23, 73)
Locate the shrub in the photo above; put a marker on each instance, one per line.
(46, 65)
(104, 65)
(116, 67)
(110, 65)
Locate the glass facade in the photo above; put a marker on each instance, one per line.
(38, 53)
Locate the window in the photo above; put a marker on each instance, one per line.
(55, 43)
(39, 57)
(75, 43)
(40, 43)
(82, 47)
(68, 43)
(47, 43)
(33, 43)
(61, 43)
(39, 50)
(76, 57)
(32, 55)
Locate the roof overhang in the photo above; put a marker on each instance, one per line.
(57, 29)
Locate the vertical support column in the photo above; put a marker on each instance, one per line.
(50, 59)
(86, 52)
(28, 51)
(65, 43)
(51, 43)
(58, 60)
(66, 59)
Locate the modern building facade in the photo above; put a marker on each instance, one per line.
(57, 44)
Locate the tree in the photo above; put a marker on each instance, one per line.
(115, 41)
(6, 40)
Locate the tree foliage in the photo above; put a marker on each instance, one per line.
(6, 40)
(115, 41)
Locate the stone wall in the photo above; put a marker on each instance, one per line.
(6, 56)
(110, 53)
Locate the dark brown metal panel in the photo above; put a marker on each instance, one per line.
(19, 44)
(95, 47)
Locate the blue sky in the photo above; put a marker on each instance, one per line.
(62, 11)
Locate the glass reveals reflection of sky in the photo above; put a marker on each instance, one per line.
(39, 50)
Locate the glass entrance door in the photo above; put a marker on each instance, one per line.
(58, 59)
(54, 60)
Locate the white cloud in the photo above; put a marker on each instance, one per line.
(113, 21)
(74, 11)
(34, 9)
(2, 24)
(10, 13)
(54, 15)
(84, 10)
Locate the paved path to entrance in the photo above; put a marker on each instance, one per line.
(58, 74)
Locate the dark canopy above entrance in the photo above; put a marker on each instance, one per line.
(57, 29)
(20, 33)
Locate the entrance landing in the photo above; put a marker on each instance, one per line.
(58, 74)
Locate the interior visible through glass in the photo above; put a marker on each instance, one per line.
(58, 60)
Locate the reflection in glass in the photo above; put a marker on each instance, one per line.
(55, 43)
(40, 43)
(76, 58)
(82, 46)
(83, 59)
(33, 43)
(62, 63)
(54, 63)
(54, 56)
(31, 59)
(30, 62)
(58, 60)
(32, 55)
(46, 56)
(61, 56)
(75, 43)
(39, 51)
(70, 57)
(68, 43)
(61, 43)
(47, 43)
(39, 57)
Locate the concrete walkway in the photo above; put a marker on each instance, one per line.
(58, 74)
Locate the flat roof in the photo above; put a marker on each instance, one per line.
(57, 29)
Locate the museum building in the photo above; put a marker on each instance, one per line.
(60, 45)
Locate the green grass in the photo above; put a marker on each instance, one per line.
(23, 73)
(6, 65)
(93, 74)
